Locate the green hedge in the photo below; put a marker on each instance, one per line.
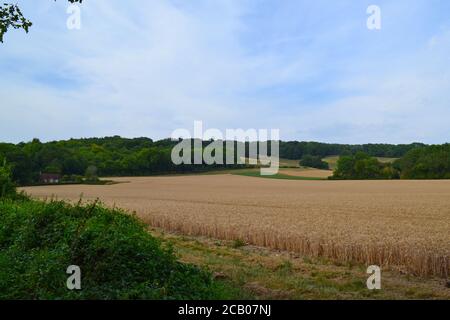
(118, 258)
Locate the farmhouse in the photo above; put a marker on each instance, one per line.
(50, 178)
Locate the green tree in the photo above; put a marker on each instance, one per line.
(11, 17)
(91, 174)
(431, 162)
(53, 167)
(313, 162)
(7, 187)
(362, 166)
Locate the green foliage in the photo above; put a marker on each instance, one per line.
(313, 162)
(91, 174)
(118, 258)
(7, 187)
(112, 156)
(238, 243)
(296, 150)
(116, 156)
(432, 162)
(362, 166)
(12, 17)
(53, 167)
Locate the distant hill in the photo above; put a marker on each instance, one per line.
(117, 156)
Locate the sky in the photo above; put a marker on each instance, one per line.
(311, 69)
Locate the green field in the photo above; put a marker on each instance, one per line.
(283, 163)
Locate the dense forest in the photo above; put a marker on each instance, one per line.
(296, 150)
(362, 166)
(117, 156)
(111, 156)
(313, 162)
(428, 162)
(432, 162)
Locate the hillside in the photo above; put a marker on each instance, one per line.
(117, 156)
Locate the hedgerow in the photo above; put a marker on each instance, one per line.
(118, 258)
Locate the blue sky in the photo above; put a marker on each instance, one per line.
(310, 68)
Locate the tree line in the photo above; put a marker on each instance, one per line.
(110, 156)
(362, 166)
(427, 162)
(117, 156)
(297, 149)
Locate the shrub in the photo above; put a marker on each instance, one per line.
(238, 243)
(118, 258)
(313, 162)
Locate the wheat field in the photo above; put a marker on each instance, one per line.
(404, 225)
(307, 173)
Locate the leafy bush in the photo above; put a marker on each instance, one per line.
(118, 258)
(362, 166)
(238, 243)
(313, 162)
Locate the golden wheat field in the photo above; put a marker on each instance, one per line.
(401, 224)
(307, 173)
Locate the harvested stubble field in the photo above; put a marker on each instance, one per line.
(401, 224)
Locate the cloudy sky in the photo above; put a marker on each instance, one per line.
(310, 68)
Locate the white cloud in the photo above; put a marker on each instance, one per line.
(148, 67)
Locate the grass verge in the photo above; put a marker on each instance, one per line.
(268, 274)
